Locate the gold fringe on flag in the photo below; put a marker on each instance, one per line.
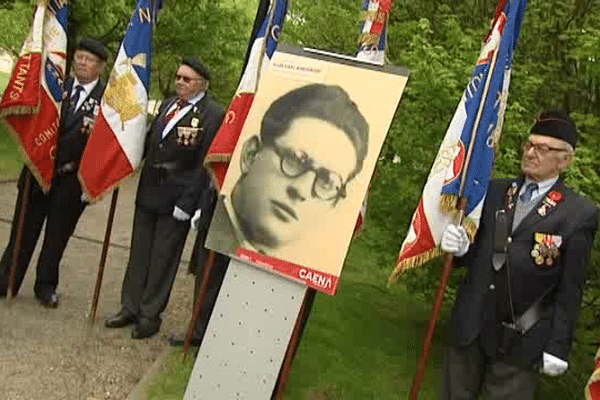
(19, 110)
(412, 262)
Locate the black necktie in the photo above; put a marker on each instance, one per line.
(75, 98)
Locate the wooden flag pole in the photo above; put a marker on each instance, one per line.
(200, 297)
(19, 237)
(111, 217)
(439, 298)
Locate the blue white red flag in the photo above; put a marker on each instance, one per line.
(262, 47)
(486, 94)
(31, 102)
(115, 146)
(373, 38)
(373, 42)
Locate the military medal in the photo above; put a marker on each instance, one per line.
(549, 202)
(545, 250)
(510, 195)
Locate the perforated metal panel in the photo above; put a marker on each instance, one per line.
(247, 336)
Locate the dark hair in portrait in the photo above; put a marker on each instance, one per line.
(329, 103)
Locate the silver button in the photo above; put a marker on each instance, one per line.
(160, 146)
(509, 240)
(492, 287)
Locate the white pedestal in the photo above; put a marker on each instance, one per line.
(247, 335)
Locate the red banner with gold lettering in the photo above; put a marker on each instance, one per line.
(30, 105)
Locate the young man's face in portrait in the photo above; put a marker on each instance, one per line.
(287, 187)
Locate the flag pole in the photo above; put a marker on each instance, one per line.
(286, 365)
(200, 297)
(111, 217)
(462, 205)
(19, 238)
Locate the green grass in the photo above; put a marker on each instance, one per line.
(10, 157)
(363, 343)
(4, 78)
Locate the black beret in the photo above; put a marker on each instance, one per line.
(556, 123)
(197, 66)
(93, 46)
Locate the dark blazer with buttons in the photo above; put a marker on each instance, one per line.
(74, 129)
(575, 220)
(161, 190)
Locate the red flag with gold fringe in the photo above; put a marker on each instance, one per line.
(30, 105)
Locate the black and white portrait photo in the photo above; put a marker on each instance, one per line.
(302, 165)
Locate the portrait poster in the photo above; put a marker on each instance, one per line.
(302, 165)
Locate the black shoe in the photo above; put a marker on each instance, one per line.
(119, 320)
(145, 328)
(48, 299)
(179, 340)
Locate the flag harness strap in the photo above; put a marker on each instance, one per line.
(535, 311)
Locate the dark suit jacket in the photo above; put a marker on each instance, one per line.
(160, 190)
(74, 129)
(73, 132)
(575, 219)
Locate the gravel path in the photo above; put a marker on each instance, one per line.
(56, 354)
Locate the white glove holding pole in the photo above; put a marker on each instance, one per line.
(195, 222)
(180, 215)
(552, 365)
(455, 240)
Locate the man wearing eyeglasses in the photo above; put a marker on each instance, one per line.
(312, 143)
(169, 190)
(516, 309)
(62, 207)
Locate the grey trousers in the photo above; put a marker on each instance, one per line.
(468, 372)
(156, 246)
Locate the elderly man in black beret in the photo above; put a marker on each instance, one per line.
(170, 187)
(63, 205)
(515, 310)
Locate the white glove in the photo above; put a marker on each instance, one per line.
(455, 240)
(180, 215)
(552, 365)
(195, 220)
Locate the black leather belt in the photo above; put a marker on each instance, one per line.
(167, 165)
(66, 168)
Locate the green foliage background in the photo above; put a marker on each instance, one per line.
(557, 63)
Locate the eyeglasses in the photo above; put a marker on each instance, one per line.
(328, 185)
(186, 79)
(82, 57)
(540, 148)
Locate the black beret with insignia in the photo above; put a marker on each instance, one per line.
(93, 46)
(197, 66)
(556, 123)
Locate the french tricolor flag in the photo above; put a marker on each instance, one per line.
(262, 46)
(115, 146)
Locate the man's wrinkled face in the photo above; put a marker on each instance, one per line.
(87, 66)
(188, 83)
(288, 187)
(544, 157)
